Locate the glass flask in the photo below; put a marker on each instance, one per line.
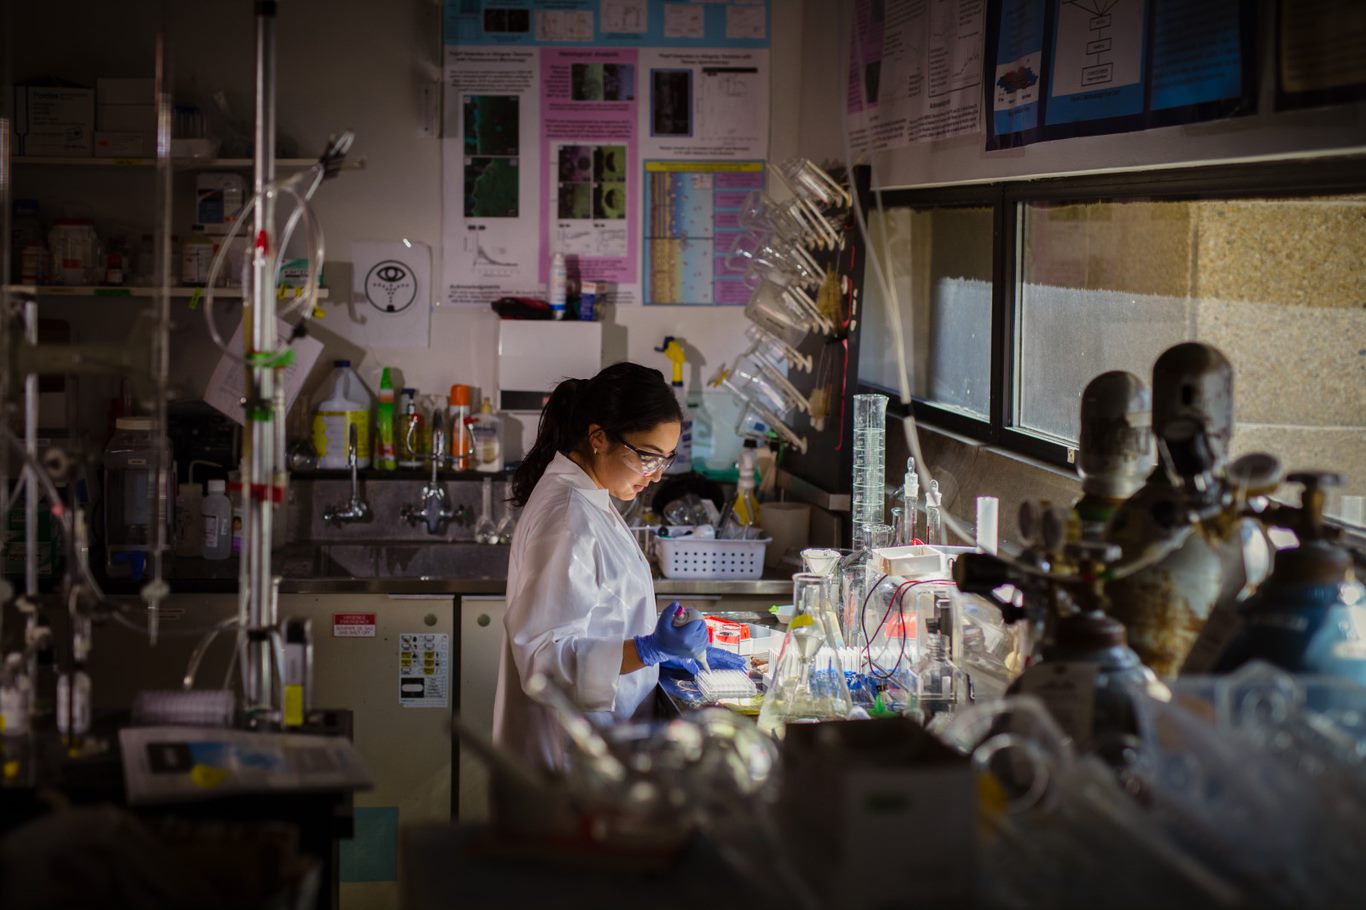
(808, 677)
(858, 573)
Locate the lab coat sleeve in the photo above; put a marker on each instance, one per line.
(563, 622)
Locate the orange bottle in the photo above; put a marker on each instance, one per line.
(462, 439)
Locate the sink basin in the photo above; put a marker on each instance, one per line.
(410, 560)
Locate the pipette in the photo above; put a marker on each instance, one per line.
(683, 616)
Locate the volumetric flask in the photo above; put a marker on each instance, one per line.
(870, 453)
(808, 678)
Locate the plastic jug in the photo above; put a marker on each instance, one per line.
(346, 405)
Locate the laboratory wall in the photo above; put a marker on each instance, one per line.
(357, 64)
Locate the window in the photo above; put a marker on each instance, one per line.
(1084, 275)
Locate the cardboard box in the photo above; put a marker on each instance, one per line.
(124, 145)
(47, 109)
(73, 142)
(128, 118)
(125, 91)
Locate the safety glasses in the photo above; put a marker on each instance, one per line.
(646, 462)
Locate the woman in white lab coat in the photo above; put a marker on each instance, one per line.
(581, 602)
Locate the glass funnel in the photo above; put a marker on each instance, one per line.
(808, 678)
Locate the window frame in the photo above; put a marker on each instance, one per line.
(1328, 175)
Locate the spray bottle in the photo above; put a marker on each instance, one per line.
(386, 454)
(671, 349)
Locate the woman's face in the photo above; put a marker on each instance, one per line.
(623, 466)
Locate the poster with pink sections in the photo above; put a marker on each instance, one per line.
(590, 169)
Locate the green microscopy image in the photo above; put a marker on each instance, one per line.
(609, 200)
(610, 163)
(585, 82)
(491, 187)
(491, 125)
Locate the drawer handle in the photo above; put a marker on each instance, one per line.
(483, 619)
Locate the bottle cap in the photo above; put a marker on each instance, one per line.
(460, 395)
(218, 486)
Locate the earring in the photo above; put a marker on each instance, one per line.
(595, 450)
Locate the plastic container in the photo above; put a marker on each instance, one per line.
(462, 443)
(196, 258)
(486, 428)
(347, 405)
(216, 510)
(588, 301)
(698, 557)
(75, 251)
(386, 455)
(189, 521)
(559, 280)
(129, 460)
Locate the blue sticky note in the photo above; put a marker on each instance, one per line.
(372, 855)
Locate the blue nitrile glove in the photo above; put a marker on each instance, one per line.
(669, 641)
(717, 659)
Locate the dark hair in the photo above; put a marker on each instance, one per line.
(624, 398)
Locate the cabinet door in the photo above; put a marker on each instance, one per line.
(406, 747)
(481, 648)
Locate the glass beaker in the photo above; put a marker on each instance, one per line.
(808, 677)
(870, 451)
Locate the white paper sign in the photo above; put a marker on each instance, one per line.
(391, 296)
(227, 384)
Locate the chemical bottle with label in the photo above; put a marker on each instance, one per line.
(742, 519)
(559, 280)
(682, 463)
(189, 528)
(486, 428)
(347, 404)
(216, 511)
(411, 434)
(386, 456)
(458, 412)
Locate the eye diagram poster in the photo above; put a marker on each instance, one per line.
(692, 212)
(915, 71)
(550, 108)
(1112, 66)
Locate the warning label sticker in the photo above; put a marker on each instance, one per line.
(353, 625)
(423, 669)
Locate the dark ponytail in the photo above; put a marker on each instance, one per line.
(624, 398)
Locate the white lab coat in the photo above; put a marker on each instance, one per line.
(578, 588)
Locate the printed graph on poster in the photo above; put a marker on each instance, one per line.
(423, 669)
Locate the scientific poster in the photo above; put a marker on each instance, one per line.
(1111, 66)
(1098, 59)
(691, 221)
(491, 161)
(551, 106)
(588, 131)
(915, 71)
(1320, 52)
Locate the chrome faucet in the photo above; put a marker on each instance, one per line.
(435, 509)
(357, 510)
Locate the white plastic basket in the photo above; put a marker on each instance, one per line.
(698, 557)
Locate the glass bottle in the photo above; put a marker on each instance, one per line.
(808, 678)
(934, 516)
(485, 531)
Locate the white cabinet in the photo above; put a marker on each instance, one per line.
(481, 648)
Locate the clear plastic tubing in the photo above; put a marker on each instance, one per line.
(870, 455)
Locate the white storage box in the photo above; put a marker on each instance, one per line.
(699, 557)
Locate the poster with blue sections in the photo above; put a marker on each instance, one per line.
(1068, 68)
(629, 23)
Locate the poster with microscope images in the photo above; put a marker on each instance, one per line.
(704, 105)
(591, 171)
(491, 158)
